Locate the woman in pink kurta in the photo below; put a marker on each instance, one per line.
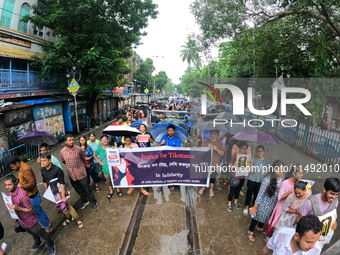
(286, 188)
(292, 205)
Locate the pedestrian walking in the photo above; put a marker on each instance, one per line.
(266, 199)
(45, 148)
(49, 171)
(293, 204)
(257, 171)
(286, 188)
(27, 218)
(28, 182)
(94, 144)
(218, 151)
(74, 158)
(322, 203)
(101, 152)
(303, 240)
(89, 165)
(169, 140)
(234, 192)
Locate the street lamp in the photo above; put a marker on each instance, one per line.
(276, 61)
(282, 68)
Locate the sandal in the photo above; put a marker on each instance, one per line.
(144, 192)
(97, 189)
(109, 195)
(251, 236)
(67, 221)
(211, 193)
(80, 223)
(119, 193)
(201, 191)
(130, 191)
(262, 230)
(225, 184)
(159, 189)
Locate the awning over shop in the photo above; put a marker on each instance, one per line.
(10, 52)
(41, 101)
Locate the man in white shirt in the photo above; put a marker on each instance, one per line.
(302, 241)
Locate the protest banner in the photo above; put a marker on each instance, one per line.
(157, 166)
(53, 192)
(167, 114)
(8, 201)
(327, 232)
(242, 164)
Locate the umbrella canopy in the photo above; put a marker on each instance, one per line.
(37, 138)
(121, 130)
(175, 121)
(179, 100)
(180, 135)
(161, 129)
(209, 125)
(256, 137)
(238, 128)
(228, 116)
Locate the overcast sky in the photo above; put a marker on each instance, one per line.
(166, 35)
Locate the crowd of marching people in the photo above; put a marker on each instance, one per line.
(281, 200)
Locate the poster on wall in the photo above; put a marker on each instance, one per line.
(53, 125)
(15, 132)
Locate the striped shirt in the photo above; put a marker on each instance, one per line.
(75, 162)
(21, 199)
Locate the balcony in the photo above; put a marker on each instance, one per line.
(23, 81)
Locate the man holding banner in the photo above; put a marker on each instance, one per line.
(170, 140)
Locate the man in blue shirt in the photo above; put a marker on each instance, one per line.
(170, 139)
(188, 120)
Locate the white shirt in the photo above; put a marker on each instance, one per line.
(279, 243)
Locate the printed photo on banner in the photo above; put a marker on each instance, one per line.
(309, 184)
(143, 138)
(53, 192)
(328, 220)
(155, 166)
(242, 164)
(8, 201)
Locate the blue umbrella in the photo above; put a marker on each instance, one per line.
(180, 135)
(161, 129)
(179, 100)
(198, 109)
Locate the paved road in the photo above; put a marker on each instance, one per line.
(162, 222)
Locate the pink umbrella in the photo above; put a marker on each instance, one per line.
(256, 137)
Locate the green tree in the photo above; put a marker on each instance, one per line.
(94, 35)
(313, 24)
(190, 53)
(144, 75)
(161, 79)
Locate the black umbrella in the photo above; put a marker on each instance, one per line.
(121, 130)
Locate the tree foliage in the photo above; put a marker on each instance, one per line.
(190, 53)
(94, 35)
(312, 23)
